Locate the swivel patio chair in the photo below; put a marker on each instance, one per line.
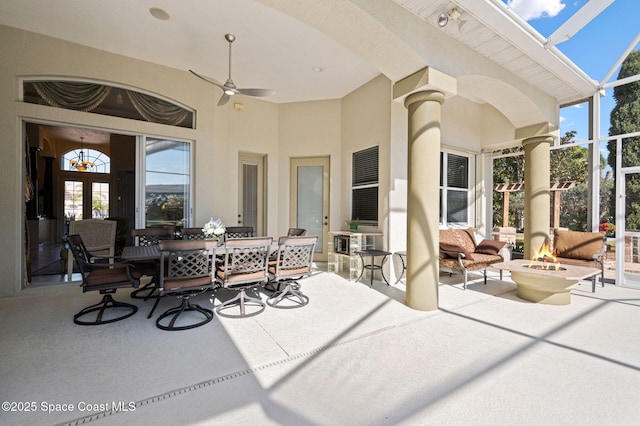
(186, 272)
(99, 237)
(293, 261)
(149, 268)
(238, 232)
(243, 267)
(104, 277)
(296, 232)
(192, 234)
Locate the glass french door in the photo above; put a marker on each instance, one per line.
(309, 200)
(85, 198)
(166, 181)
(628, 229)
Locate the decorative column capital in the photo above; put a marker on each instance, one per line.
(535, 140)
(424, 96)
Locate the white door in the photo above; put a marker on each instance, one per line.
(309, 200)
(251, 178)
(628, 229)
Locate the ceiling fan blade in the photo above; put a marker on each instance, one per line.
(223, 99)
(207, 80)
(257, 92)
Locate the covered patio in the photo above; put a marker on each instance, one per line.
(354, 355)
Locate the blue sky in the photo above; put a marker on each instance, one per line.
(595, 48)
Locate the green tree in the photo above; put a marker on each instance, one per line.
(625, 118)
(569, 164)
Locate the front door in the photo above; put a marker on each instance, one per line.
(309, 197)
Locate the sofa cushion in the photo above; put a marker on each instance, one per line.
(490, 246)
(577, 245)
(456, 248)
(460, 237)
(480, 261)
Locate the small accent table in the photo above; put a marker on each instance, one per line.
(372, 265)
(402, 255)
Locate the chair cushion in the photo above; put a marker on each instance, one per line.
(172, 284)
(289, 272)
(457, 248)
(576, 244)
(490, 246)
(246, 277)
(102, 277)
(576, 262)
(480, 261)
(461, 237)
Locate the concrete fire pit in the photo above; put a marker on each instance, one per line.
(549, 286)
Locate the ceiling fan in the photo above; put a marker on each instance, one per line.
(229, 87)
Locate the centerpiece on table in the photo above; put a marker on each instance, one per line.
(214, 229)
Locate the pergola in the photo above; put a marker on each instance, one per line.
(555, 188)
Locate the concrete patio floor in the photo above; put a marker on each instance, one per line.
(354, 355)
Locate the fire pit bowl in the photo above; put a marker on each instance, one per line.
(546, 267)
(548, 286)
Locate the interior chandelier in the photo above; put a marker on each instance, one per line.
(80, 164)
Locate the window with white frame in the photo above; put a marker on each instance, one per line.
(364, 186)
(455, 188)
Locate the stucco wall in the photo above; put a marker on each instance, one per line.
(366, 122)
(309, 129)
(221, 131)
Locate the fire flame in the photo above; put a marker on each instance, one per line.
(545, 255)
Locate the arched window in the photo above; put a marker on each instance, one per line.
(96, 161)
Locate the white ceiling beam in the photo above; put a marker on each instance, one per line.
(606, 78)
(496, 15)
(576, 22)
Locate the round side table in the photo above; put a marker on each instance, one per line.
(372, 265)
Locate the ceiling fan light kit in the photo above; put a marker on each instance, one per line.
(229, 88)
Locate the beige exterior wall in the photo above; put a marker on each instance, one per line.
(367, 116)
(309, 129)
(221, 131)
(366, 122)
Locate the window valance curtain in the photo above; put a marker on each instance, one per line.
(72, 95)
(99, 98)
(156, 110)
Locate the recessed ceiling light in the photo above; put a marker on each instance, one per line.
(317, 69)
(158, 13)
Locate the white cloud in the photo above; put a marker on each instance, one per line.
(533, 9)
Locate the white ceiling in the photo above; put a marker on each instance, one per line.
(272, 50)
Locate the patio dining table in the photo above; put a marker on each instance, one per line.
(151, 252)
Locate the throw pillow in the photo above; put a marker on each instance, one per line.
(490, 247)
(456, 248)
